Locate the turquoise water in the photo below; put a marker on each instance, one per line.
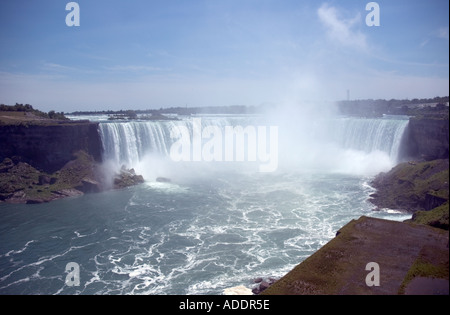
(208, 229)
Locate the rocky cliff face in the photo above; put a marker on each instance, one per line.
(402, 252)
(413, 186)
(43, 160)
(22, 183)
(426, 139)
(49, 147)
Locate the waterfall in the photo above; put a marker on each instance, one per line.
(369, 135)
(350, 140)
(127, 142)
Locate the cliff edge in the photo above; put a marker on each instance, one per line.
(412, 256)
(413, 186)
(427, 137)
(411, 259)
(46, 144)
(44, 159)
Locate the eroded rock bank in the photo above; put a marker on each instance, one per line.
(22, 183)
(412, 256)
(48, 145)
(413, 186)
(43, 160)
(427, 138)
(401, 251)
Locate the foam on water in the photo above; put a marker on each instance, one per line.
(206, 230)
(196, 239)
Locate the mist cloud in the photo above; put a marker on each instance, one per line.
(340, 30)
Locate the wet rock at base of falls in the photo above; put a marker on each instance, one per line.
(163, 180)
(126, 178)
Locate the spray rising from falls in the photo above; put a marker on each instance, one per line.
(128, 142)
(368, 146)
(152, 147)
(339, 143)
(371, 135)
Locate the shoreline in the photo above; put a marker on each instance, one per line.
(66, 169)
(340, 266)
(420, 245)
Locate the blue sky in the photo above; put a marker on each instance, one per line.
(148, 54)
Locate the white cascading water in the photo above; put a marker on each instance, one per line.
(127, 142)
(205, 230)
(343, 144)
(370, 135)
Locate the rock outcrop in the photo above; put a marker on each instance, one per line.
(262, 284)
(412, 186)
(22, 183)
(437, 217)
(426, 138)
(49, 146)
(126, 178)
(43, 160)
(402, 251)
(163, 180)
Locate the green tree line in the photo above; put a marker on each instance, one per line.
(28, 108)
